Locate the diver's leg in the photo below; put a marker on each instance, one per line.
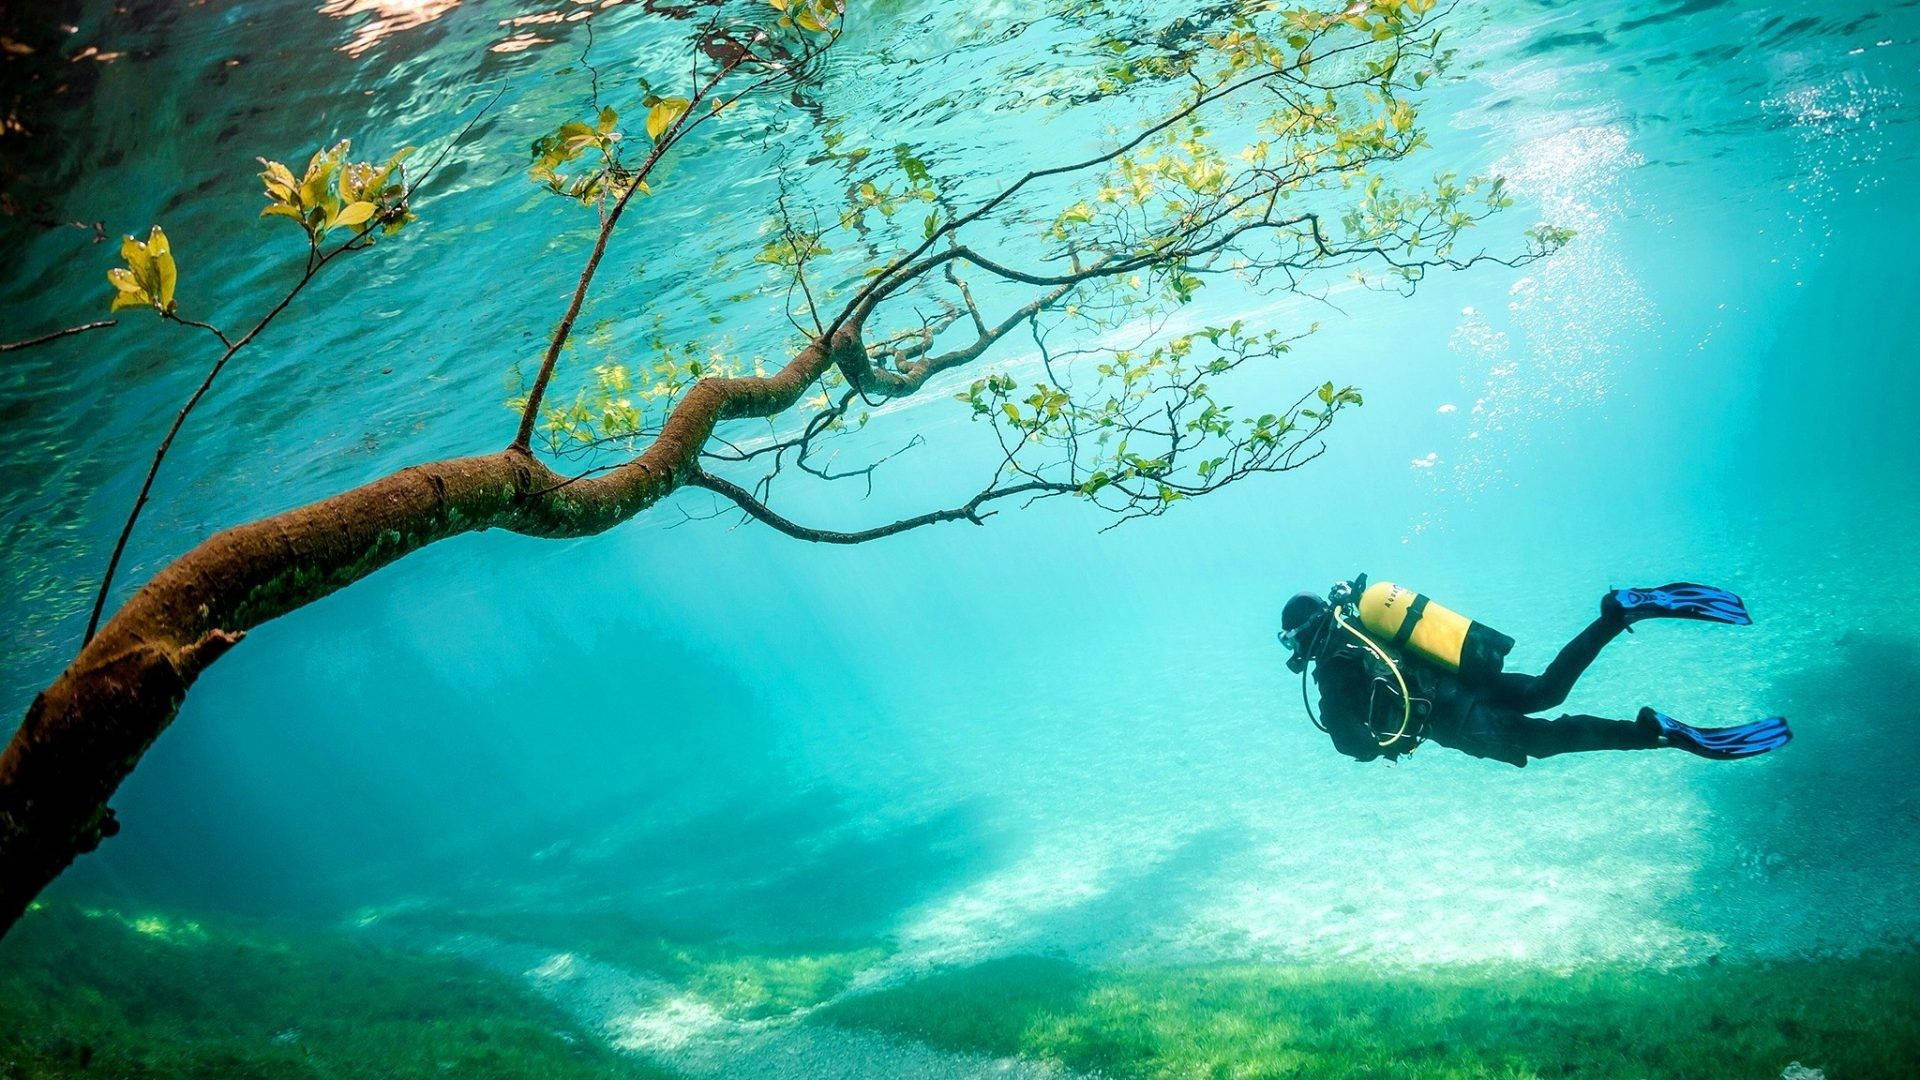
(1531, 693)
(1541, 738)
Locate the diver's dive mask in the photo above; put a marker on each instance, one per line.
(1296, 659)
(1302, 621)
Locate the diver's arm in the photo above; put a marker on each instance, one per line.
(1344, 699)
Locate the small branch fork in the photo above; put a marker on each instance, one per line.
(735, 55)
(316, 260)
(967, 511)
(313, 268)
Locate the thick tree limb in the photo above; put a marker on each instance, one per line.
(83, 734)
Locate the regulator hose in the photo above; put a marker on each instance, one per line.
(1406, 696)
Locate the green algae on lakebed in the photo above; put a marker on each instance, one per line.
(1852, 1017)
(101, 992)
(97, 992)
(742, 981)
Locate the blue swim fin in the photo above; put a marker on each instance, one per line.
(1679, 600)
(1723, 744)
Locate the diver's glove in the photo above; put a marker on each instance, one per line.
(1721, 744)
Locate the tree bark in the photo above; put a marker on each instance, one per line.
(84, 734)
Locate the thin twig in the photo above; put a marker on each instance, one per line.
(57, 335)
(180, 419)
(197, 324)
(314, 262)
(530, 412)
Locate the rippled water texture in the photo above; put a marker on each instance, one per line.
(1034, 737)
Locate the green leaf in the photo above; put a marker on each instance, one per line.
(277, 173)
(915, 169)
(813, 19)
(316, 186)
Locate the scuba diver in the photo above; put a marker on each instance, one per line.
(1395, 670)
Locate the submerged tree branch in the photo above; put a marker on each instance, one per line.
(530, 412)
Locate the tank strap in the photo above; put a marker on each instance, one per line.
(1414, 611)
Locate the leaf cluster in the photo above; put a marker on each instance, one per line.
(149, 276)
(1275, 159)
(624, 398)
(567, 144)
(1151, 428)
(334, 193)
(812, 16)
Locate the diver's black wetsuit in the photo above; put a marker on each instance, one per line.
(1488, 720)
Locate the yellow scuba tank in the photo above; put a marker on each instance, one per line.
(1410, 622)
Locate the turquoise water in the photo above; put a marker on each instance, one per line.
(1036, 736)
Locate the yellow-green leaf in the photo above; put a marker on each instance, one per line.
(135, 254)
(314, 187)
(320, 170)
(277, 173)
(127, 290)
(166, 275)
(355, 213)
(663, 115)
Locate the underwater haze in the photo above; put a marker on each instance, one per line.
(1033, 798)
